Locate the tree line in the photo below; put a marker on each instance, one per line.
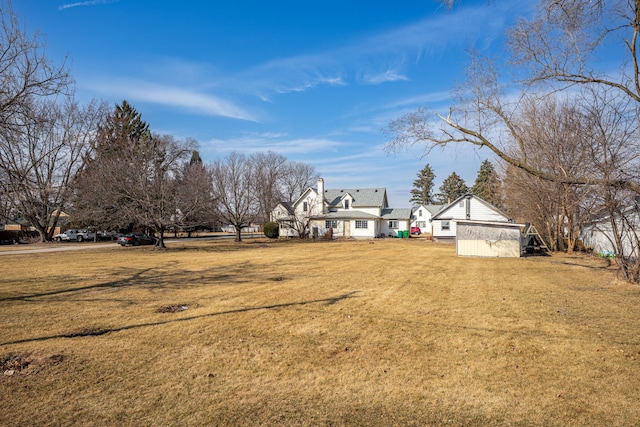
(486, 186)
(107, 168)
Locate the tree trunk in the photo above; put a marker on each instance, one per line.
(160, 243)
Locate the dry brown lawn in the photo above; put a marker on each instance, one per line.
(377, 333)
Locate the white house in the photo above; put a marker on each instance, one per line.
(599, 234)
(421, 217)
(347, 212)
(467, 207)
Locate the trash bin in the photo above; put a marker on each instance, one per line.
(406, 234)
(400, 234)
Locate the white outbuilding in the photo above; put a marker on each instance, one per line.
(489, 239)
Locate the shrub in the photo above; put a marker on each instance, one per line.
(271, 230)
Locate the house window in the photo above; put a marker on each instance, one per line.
(346, 204)
(445, 225)
(393, 224)
(331, 224)
(362, 224)
(420, 212)
(305, 206)
(421, 224)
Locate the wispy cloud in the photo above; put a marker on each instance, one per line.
(85, 3)
(189, 99)
(384, 77)
(280, 143)
(386, 57)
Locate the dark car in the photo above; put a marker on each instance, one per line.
(135, 239)
(416, 230)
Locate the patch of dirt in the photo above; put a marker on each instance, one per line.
(173, 308)
(13, 364)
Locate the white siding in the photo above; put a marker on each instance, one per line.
(402, 225)
(482, 239)
(370, 231)
(600, 237)
(423, 221)
(487, 248)
(478, 211)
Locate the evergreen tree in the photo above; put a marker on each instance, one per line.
(124, 129)
(195, 158)
(422, 192)
(487, 184)
(452, 188)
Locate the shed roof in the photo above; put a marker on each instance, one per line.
(507, 224)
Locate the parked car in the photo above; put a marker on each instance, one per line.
(135, 239)
(416, 230)
(75, 235)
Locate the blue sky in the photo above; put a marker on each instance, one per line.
(314, 81)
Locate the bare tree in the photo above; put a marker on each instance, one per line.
(233, 190)
(26, 74)
(134, 177)
(296, 178)
(40, 148)
(194, 199)
(268, 169)
(148, 190)
(557, 138)
(555, 48)
(42, 157)
(96, 200)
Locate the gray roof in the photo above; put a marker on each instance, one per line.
(287, 206)
(433, 209)
(361, 196)
(397, 213)
(347, 215)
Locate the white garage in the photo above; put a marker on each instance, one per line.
(488, 239)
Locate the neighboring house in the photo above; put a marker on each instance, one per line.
(421, 217)
(467, 207)
(353, 212)
(17, 225)
(251, 228)
(283, 214)
(599, 236)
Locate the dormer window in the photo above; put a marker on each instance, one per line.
(346, 203)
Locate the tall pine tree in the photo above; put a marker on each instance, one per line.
(452, 188)
(487, 184)
(422, 192)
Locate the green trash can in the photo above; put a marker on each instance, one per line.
(406, 234)
(400, 234)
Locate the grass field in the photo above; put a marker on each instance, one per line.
(377, 333)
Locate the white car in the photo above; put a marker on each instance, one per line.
(74, 235)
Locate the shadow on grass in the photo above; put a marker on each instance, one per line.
(157, 278)
(98, 332)
(130, 281)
